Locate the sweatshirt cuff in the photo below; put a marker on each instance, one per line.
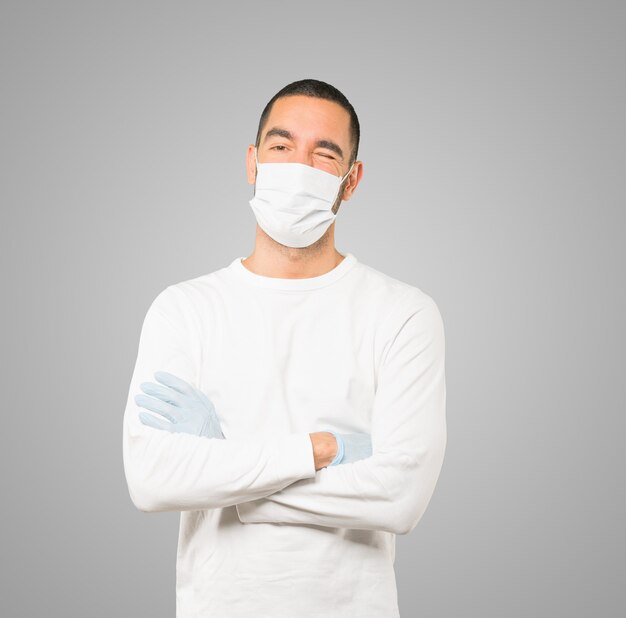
(340, 450)
(295, 459)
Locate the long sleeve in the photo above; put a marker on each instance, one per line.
(391, 489)
(176, 471)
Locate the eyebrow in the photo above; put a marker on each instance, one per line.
(321, 143)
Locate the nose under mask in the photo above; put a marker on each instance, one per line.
(293, 202)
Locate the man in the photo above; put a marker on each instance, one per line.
(298, 419)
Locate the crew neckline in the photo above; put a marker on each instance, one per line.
(280, 283)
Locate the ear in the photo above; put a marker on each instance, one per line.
(251, 165)
(353, 180)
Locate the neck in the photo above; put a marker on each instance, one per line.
(272, 259)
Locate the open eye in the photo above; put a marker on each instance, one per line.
(279, 147)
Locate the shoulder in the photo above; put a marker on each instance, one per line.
(192, 294)
(183, 303)
(394, 298)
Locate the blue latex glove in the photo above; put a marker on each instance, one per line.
(184, 408)
(351, 447)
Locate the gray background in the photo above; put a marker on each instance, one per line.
(493, 149)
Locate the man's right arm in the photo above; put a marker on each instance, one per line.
(168, 471)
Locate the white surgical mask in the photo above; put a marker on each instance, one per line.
(293, 202)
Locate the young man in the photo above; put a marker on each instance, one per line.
(298, 418)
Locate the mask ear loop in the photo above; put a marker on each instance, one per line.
(343, 178)
(256, 169)
(349, 172)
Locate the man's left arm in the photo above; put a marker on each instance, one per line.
(391, 489)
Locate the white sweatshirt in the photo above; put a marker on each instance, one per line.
(262, 534)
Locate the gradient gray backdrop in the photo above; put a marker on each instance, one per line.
(493, 148)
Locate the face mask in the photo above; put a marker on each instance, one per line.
(293, 202)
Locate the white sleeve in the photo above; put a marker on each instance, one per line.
(391, 489)
(168, 471)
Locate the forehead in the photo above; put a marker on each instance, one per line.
(310, 117)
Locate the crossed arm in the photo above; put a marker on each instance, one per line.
(275, 480)
(179, 471)
(391, 489)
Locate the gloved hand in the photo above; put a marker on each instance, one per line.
(184, 408)
(351, 447)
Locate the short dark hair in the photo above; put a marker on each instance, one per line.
(320, 90)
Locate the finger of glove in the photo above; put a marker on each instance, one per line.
(170, 412)
(153, 421)
(178, 384)
(165, 393)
